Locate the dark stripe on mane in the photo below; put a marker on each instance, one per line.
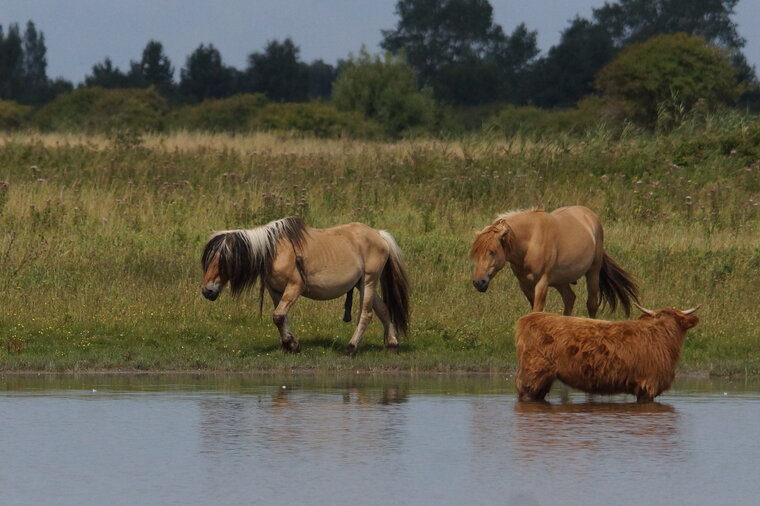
(294, 230)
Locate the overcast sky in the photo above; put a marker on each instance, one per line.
(80, 33)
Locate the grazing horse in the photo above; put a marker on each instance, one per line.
(553, 249)
(293, 259)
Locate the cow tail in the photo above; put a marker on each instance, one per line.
(395, 285)
(616, 285)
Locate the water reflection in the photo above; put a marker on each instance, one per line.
(285, 421)
(363, 439)
(581, 433)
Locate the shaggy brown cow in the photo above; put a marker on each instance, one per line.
(600, 357)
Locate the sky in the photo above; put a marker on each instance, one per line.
(81, 33)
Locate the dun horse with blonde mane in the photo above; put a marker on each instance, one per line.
(553, 249)
(292, 259)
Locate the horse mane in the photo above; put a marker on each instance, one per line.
(484, 238)
(510, 214)
(247, 255)
(483, 241)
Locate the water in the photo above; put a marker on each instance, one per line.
(236, 439)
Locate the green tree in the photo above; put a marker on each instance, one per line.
(36, 85)
(57, 86)
(669, 71)
(278, 73)
(566, 73)
(11, 64)
(384, 90)
(153, 69)
(321, 78)
(435, 33)
(515, 55)
(105, 75)
(456, 48)
(631, 21)
(206, 76)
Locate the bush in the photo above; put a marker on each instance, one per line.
(314, 118)
(385, 91)
(726, 134)
(12, 115)
(103, 110)
(667, 75)
(534, 122)
(234, 114)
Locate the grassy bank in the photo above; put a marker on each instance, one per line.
(100, 241)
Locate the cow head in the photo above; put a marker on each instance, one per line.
(685, 319)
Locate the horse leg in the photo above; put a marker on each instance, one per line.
(568, 298)
(539, 297)
(390, 335)
(347, 305)
(592, 286)
(366, 296)
(280, 317)
(528, 289)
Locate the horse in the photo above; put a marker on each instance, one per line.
(553, 249)
(292, 259)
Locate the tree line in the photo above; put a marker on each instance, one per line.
(276, 72)
(454, 47)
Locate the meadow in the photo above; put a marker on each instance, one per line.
(100, 241)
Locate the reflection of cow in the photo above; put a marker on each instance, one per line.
(577, 435)
(637, 357)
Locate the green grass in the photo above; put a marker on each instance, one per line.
(100, 243)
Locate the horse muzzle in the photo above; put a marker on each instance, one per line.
(481, 284)
(210, 294)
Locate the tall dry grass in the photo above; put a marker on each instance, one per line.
(100, 240)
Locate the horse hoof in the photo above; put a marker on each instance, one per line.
(291, 346)
(393, 348)
(350, 350)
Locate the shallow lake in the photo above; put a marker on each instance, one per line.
(244, 439)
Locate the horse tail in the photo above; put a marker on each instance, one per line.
(395, 285)
(615, 284)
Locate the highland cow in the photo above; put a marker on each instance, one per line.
(600, 357)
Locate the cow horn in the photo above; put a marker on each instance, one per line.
(644, 310)
(689, 311)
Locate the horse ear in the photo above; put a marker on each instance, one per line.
(504, 239)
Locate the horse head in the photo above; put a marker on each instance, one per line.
(490, 253)
(212, 262)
